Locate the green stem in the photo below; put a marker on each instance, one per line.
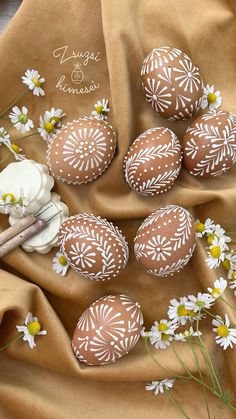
(215, 317)
(176, 403)
(166, 369)
(201, 376)
(25, 136)
(193, 376)
(226, 302)
(14, 339)
(208, 357)
(5, 158)
(13, 103)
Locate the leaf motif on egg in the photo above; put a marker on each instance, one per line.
(153, 161)
(165, 241)
(209, 144)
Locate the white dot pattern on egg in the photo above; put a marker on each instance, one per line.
(93, 246)
(81, 151)
(165, 241)
(107, 330)
(153, 161)
(172, 83)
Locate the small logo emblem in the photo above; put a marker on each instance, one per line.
(77, 74)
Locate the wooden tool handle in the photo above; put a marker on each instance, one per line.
(12, 231)
(17, 240)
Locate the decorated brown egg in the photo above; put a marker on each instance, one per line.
(165, 241)
(107, 330)
(172, 83)
(153, 161)
(93, 246)
(209, 144)
(81, 151)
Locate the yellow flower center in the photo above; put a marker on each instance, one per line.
(192, 313)
(215, 292)
(62, 260)
(54, 120)
(23, 118)
(99, 109)
(33, 328)
(199, 227)
(181, 311)
(164, 336)
(223, 331)
(162, 327)
(36, 82)
(215, 252)
(49, 127)
(226, 264)
(211, 97)
(210, 238)
(10, 195)
(15, 148)
(233, 275)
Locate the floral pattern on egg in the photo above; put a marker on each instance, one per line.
(81, 151)
(165, 241)
(209, 144)
(153, 161)
(107, 330)
(94, 247)
(172, 83)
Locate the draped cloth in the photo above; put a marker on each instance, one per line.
(109, 39)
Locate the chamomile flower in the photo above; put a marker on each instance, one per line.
(4, 137)
(187, 334)
(219, 287)
(16, 151)
(31, 328)
(60, 264)
(162, 333)
(177, 311)
(160, 386)
(101, 109)
(204, 228)
(229, 263)
(20, 119)
(197, 303)
(216, 253)
(211, 98)
(219, 233)
(49, 122)
(34, 81)
(225, 335)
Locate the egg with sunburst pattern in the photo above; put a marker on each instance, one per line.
(81, 150)
(107, 330)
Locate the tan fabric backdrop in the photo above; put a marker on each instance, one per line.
(48, 382)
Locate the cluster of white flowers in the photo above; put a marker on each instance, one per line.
(218, 252)
(49, 122)
(189, 310)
